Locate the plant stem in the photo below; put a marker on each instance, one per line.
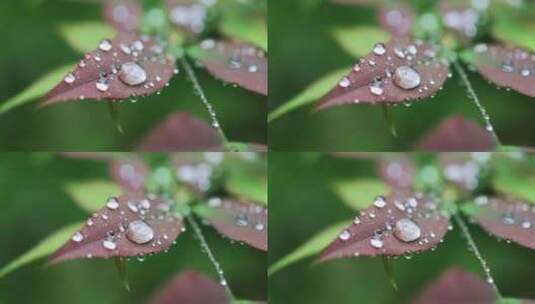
(477, 253)
(204, 246)
(389, 120)
(477, 102)
(207, 104)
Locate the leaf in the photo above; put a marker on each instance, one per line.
(457, 286)
(359, 193)
(189, 16)
(247, 180)
(461, 18)
(130, 173)
(456, 133)
(505, 218)
(397, 171)
(124, 15)
(400, 71)
(246, 27)
(44, 248)
(234, 62)
(109, 72)
(403, 223)
(356, 2)
(196, 171)
(311, 247)
(514, 178)
(396, 19)
(191, 287)
(36, 89)
(515, 26)
(130, 225)
(90, 194)
(506, 67)
(358, 40)
(83, 36)
(241, 221)
(461, 169)
(310, 94)
(181, 132)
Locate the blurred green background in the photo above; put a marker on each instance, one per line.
(33, 47)
(34, 205)
(303, 50)
(302, 203)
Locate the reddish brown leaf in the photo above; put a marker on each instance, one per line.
(461, 169)
(181, 132)
(457, 286)
(393, 226)
(130, 173)
(506, 67)
(399, 71)
(131, 225)
(455, 133)
(188, 15)
(239, 220)
(124, 15)
(109, 72)
(460, 17)
(396, 19)
(505, 218)
(235, 62)
(191, 287)
(397, 171)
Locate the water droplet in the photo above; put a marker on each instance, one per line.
(379, 202)
(69, 78)
(175, 71)
(406, 230)
(208, 44)
(344, 235)
(89, 222)
(132, 74)
(141, 258)
(399, 53)
(102, 86)
(253, 68)
(137, 45)
(356, 67)
(110, 245)
(356, 220)
(105, 45)
(376, 89)
(77, 237)
(508, 219)
(125, 49)
(411, 49)
(379, 49)
(112, 203)
(481, 200)
(376, 243)
(526, 224)
(345, 82)
(81, 64)
(259, 226)
(223, 282)
(241, 220)
(139, 232)
(214, 202)
(525, 72)
(481, 48)
(412, 202)
(508, 68)
(145, 204)
(132, 207)
(406, 78)
(97, 58)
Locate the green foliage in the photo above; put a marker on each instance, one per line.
(359, 193)
(37, 88)
(358, 41)
(248, 28)
(310, 94)
(85, 36)
(515, 26)
(44, 248)
(247, 181)
(311, 247)
(92, 195)
(514, 178)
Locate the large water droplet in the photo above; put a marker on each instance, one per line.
(139, 232)
(77, 237)
(110, 245)
(376, 243)
(69, 78)
(345, 82)
(112, 203)
(525, 72)
(105, 45)
(344, 235)
(406, 230)
(379, 49)
(102, 86)
(379, 202)
(132, 74)
(406, 78)
(376, 89)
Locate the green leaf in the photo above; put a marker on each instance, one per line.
(37, 89)
(44, 248)
(252, 30)
(515, 26)
(249, 188)
(509, 301)
(312, 93)
(309, 248)
(514, 178)
(92, 195)
(85, 36)
(359, 41)
(359, 193)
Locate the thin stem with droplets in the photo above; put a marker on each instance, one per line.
(204, 246)
(207, 104)
(473, 96)
(477, 253)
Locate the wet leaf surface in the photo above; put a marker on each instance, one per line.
(131, 225)
(505, 218)
(124, 67)
(89, 195)
(124, 15)
(506, 67)
(241, 221)
(397, 171)
(457, 286)
(234, 62)
(191, 287)
(399, 71)
(397, 225)
(130, 173)
(396, 19)
(181, 132)
(455, 133)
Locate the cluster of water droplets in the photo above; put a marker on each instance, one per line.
(191, 16)
(515, 61)
(518, 213)
(239, 57)
(198, 174)
(246, 215)
(465, 20)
